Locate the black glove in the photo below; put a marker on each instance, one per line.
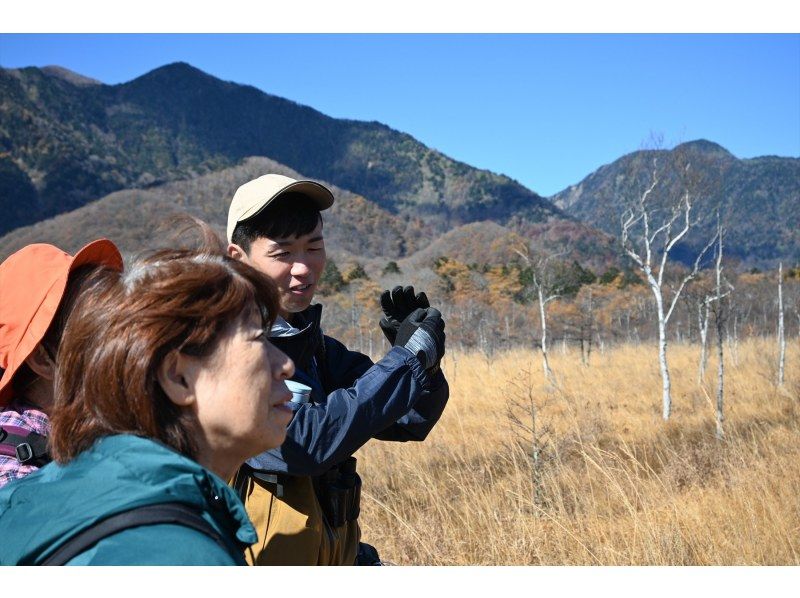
(422, 333)
(397, 306)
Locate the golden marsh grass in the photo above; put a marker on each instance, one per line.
(613, 484)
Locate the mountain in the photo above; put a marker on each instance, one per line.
(356, 229)
(491, 243)
(140, 219)
(66, 140)
(758, 198)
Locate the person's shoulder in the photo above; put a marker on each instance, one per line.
(157, 544)
(23, 416)
(12, 470)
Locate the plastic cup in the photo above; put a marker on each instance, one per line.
(300, 392)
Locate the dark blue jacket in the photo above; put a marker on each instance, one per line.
(393, 399)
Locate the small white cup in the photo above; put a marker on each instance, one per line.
(300, 392)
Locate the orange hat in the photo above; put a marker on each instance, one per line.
(32, 284)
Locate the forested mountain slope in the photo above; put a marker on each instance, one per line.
(66, 140)
(759, 198)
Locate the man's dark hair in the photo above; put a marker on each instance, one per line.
(291, 215)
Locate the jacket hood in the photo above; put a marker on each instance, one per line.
(42, 511)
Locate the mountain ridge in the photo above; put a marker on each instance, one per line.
(132, 218)
(67, 140)
(758, 198)
(177, 122)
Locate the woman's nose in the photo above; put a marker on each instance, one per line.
(283, 366)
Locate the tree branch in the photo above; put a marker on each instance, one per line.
(690, 276)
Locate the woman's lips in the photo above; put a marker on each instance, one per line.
(283, 399)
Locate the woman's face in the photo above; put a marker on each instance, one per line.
(240, 395)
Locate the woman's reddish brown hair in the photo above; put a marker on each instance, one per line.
(125, 324)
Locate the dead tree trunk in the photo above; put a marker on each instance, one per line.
(548, 373)
(666, 397)
(720, 315)
(720, 325)
(587, 329)
(702, 321)
(546, 291)
(720, 373)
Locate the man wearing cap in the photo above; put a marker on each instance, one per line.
(38, 287)
(303, 497)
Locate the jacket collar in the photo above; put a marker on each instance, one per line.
(302, 346)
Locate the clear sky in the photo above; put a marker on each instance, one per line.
(544, 109)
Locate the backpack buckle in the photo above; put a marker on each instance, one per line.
(24, 452)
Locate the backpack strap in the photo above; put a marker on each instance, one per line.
(178, 513)
(239, 483)
(27, 447)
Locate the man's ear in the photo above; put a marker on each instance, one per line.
(41, 364)
(236, 252)
(173, 377)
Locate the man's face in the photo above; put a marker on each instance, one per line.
(294, 264)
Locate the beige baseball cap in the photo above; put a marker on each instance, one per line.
(254, 196)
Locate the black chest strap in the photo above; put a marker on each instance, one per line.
(30, 449)
(177, 513)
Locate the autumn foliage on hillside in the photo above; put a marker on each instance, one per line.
(492, 307)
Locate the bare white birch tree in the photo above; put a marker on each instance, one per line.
(544, 299)
(781, 335)
(587, 326)
(546, 289)
(702, 323)
(699, 296)
(720, 315)
(648, 242)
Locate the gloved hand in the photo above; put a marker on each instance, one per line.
(397, 306)
(422, 333)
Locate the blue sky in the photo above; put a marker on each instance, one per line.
(544, 109)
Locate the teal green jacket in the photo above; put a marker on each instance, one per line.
(40, 512)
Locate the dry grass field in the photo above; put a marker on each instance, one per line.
(590, 474)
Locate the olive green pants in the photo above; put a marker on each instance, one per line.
(292, 529)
